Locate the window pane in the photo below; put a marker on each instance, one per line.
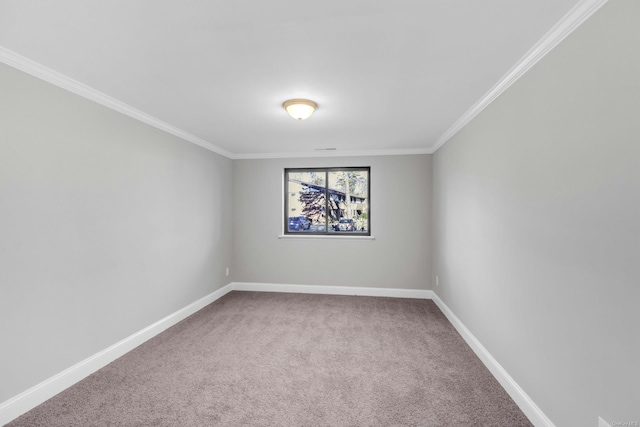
(306, 202)
(349, 201)
(327, 201)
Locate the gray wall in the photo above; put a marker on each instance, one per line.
(537, 224)
(399, 257)
(106, 226)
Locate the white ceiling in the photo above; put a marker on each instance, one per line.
(387, 76)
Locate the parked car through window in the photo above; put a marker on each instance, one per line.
(299, 223)
(346, 224)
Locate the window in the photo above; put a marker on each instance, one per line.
(329, 201)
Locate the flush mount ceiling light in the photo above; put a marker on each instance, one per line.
(300, 109)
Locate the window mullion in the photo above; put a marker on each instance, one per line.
(326, 202)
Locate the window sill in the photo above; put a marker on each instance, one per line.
(323, 236)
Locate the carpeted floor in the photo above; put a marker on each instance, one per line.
(272, 359)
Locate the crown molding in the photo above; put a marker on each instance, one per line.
(40, 71)
(37, 70)
(572, 20)
(334, 153)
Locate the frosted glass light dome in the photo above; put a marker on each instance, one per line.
(300, 109)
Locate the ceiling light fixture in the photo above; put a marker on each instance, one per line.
(300, 109)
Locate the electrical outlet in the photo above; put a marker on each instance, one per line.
(227, 272)
(437, 281)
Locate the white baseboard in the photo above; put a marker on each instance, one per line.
(334, 290)
(29, 399)
(34, 396)
(530, 409)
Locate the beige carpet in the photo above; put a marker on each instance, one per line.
(271, 359)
